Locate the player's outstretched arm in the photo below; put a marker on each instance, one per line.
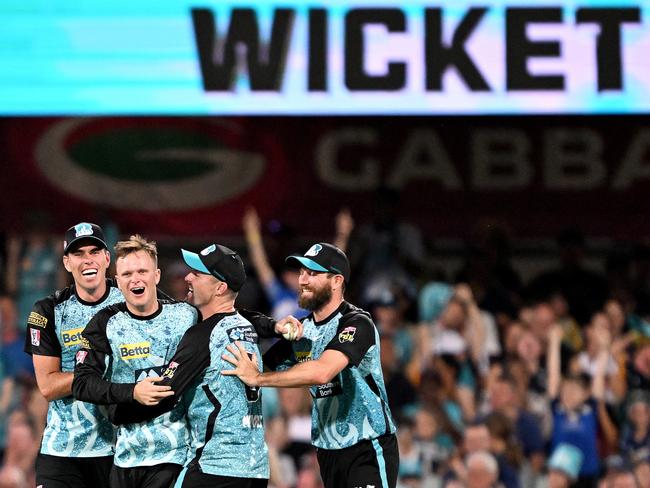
(309, 373)
(89, 384)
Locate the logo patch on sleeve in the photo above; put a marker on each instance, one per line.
(36, 337)
(81, 356)
(347, 334)
(150, 372)
(243, 334)
(37, 319)
(171, 369)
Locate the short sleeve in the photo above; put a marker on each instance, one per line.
(354, 337)
(41, 338)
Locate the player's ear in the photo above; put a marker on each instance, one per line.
(338, 282)
(66, 263)
(221, 288)
(157, 275)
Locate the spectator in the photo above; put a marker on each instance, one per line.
(433, 444)
(505, 399)
(587, 359)
(33, 268)
(410, 456)
(476, 438)
(17, 364)
(17, 470)
(505, 449)
(642, 473)
(574, 408)
(624, 479)
(282, 293)
(386, 250)
(482, 470)
(564, 466)
(400, 391)
(638, 375)
(295, 407)
(635, 444)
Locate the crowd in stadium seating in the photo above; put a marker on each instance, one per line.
(494, 381)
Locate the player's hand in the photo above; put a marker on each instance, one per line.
(246, 368)
(148, 393)
(290, 328)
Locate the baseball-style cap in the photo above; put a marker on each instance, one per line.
(323, 257)
(219, 261)
(83, 231)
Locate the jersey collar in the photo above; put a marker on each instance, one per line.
(344, 305)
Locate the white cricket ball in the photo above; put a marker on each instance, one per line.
(291, 333)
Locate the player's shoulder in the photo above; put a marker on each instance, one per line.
(201, 333)
(351, 314)
(105, 314)
(183, 309)
(60, 296)
(45, 306)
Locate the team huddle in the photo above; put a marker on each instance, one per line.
(145, 391)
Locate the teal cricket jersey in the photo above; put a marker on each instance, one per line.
(54, 327)
(354, 405)
(225, 416)
(123, 349)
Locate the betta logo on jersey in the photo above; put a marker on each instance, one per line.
(72, 337)
(36, 337)
(347, 334)
(302, 356)
(243, 334)
(135, 351)
(81, 356)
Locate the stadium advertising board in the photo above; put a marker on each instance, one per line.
(233, 57)
(195, 176)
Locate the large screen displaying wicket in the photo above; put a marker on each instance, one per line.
(366, 57)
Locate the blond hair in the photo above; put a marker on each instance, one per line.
(134, 244)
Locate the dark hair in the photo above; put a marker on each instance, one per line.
(501, 427)
(582, 379)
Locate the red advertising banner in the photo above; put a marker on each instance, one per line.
(195, 176)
